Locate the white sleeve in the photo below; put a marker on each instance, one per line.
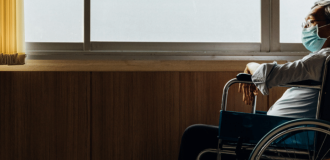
(260, 76)
(269, 75)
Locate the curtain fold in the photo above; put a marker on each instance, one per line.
(12, 39)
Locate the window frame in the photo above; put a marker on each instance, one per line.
(270, 42)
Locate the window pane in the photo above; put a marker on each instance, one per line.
(175, 20)
(54, 21)
(293, 13)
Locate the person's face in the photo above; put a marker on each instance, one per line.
(317, 17)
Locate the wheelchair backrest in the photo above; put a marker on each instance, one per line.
(323, 111)
(323, 108)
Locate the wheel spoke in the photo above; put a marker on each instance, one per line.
(276, 145)
(286, 149)
(295, 137)
(325, 153)
(286, 146)
(308, 144)
(314, 145)
(322, 146)
(294, 153)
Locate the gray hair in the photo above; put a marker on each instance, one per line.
(326, 5)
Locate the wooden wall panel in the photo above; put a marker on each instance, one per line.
(147, 112)
(44, 116)
(109, 115)
(135, 115)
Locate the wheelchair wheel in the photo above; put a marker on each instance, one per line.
(302, 139)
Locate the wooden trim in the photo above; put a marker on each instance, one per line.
(130, 65)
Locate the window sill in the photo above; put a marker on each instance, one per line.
(147, 63)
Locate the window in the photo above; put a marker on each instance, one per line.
(54, 21)
(290, 26)
(175, 21)
(165, 27)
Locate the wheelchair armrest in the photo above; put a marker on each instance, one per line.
(306, 83)
(244, 77)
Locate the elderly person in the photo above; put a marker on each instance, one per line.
(295, 102)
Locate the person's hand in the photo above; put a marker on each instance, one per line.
(249, 90)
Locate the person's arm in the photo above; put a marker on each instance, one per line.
(269, 75)
(249, 90)
(252, 67)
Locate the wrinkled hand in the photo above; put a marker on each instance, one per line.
(249, 90)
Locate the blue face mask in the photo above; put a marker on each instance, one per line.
(311, 39)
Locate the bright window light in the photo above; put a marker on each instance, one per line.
(292, 14)
(54, 21)
(175, 20)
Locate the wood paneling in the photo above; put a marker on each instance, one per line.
(147, 112)
(135, 115)
(44, 116)
(109, 115)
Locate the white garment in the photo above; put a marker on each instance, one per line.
(295, 102)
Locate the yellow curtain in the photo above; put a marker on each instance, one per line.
(12, 39)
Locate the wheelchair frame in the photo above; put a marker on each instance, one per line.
(320, 120)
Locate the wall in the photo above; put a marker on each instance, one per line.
(109, 115)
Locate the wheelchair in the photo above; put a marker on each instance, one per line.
(257, 136)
